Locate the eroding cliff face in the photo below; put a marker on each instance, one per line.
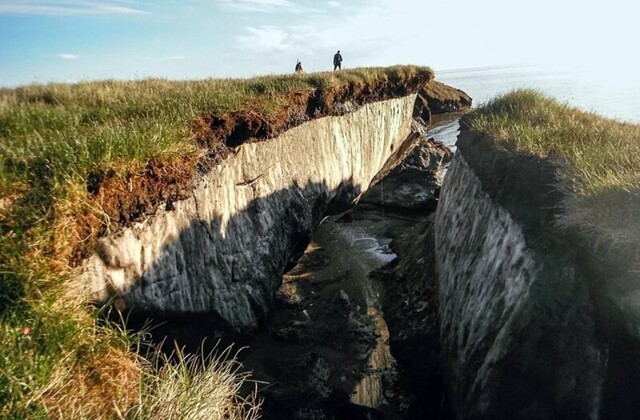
(518, 334)
(412, 177)
(222, 251)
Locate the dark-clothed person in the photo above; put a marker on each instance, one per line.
(337, 61)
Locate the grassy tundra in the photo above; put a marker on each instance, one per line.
(598, 160)
(73, 159)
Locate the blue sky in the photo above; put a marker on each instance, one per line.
(73, 40)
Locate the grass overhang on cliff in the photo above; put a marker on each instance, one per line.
(598, 160)
(78, 161)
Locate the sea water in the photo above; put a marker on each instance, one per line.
(611, 92)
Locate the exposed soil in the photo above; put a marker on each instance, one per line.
(127, 198)
(324, 350)
(352, 336)
(354, 331)
(232, 129)
(411, 311)
(524, 184)
(443, 98)
(436, 98)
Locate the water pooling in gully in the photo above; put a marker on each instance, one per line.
(325, 346)
(446, 132)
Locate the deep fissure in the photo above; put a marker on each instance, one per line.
(325, 345)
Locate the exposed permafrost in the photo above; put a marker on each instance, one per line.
(517, 330)
(222, 251)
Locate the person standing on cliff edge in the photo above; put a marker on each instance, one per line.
(337, 61)
(299, 67)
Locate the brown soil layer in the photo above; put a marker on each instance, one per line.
(238, 127)
(437, 98)
(444, 98)
(129, 198)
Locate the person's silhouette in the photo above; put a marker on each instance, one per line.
(337, 61)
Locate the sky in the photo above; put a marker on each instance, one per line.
(77, 40)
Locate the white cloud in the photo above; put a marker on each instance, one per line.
(372, 33)
(266, 6)
(119, 10)
(255, 5)
(67, 56)
(70, 7)
(264, 39)
(173, 58)
(333, 4)
(368, 33)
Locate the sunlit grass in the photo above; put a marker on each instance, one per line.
(598, 158)
(76, 128)
(70, 349)
(196, 387)
(81, 366)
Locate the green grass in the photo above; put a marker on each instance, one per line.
(52, 139)
(81, 367)
(69, 349)
(75, 128)
(598, 159)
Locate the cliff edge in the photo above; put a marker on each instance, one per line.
(220, 247)
(533, 318)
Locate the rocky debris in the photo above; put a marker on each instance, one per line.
(419, 127)
(324, 350)
(421, 114)
(316, 349)
(411, 311)
(335, 322)
(412, 177)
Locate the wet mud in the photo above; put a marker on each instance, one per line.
(325, 348)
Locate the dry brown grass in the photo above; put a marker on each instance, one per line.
(104, 387)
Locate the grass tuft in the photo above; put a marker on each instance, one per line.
(80, 366)
(196, 387)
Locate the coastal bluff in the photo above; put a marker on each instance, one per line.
(222, 250)
(533, 324)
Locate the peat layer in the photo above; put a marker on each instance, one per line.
(218, 134)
